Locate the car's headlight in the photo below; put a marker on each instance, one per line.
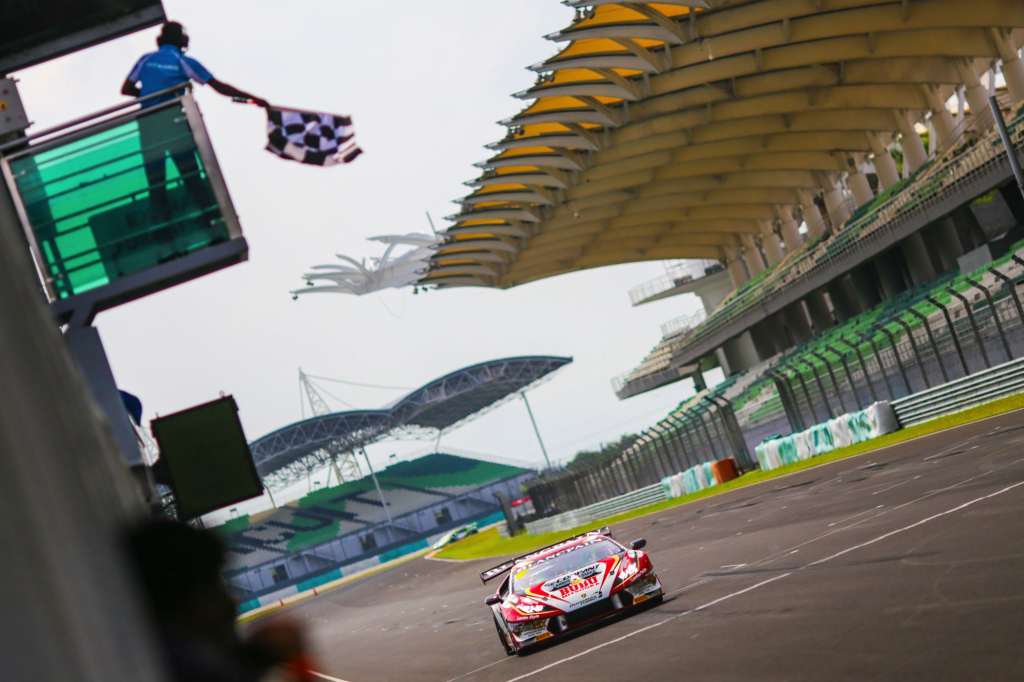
(529, 628)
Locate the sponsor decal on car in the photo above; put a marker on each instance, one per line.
(578, 584)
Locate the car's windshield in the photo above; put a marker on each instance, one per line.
(560, 564)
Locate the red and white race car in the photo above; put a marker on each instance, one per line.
(568, 585)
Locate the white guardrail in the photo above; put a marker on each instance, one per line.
(599, 510)
(978, 388)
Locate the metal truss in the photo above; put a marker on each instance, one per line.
(291, 453)
(471, 392)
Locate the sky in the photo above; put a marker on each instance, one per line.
(425, 84)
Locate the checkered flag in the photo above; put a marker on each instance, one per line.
(313, 138)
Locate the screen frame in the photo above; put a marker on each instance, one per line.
(84, 38)
(186, 513)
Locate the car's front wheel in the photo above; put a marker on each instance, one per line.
(503, 637)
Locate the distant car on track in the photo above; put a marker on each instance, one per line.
(557, 589)
(455, 535)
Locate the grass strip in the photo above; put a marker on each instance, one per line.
(490, 543)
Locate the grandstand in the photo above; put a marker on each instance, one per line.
(347, 523)
(838, 161)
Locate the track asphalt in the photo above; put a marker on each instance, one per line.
(904, 564)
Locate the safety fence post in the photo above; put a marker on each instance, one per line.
(829, 412)
(807, 393)
(832, 377)
(899, 361)
(1011, 289)
(878, 358)
(995, 316)
(974, 324)
(788, 406)
(952, 333)
(931, 341)
(909, 331)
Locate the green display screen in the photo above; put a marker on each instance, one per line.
(118, 201)
(207, 457)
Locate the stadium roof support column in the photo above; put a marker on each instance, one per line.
(942, 119)
(737, 273)
(835, 204)
(914, 153)
(977, 95)
(771, 243)
(919, 262)
(740, 353)
(858, 182)
(1013, 68)
(885, 166)
(789, 230)
(812, 216)
(752, 256)
(817, 308)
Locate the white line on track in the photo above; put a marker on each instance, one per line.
(651, 626)
(781, 576)
(326, 677)
(477, 670)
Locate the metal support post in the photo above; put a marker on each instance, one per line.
(952, 333)
(899, 361)
(995, 316)
(878, 358)
(380, 493)
(1011, 289)
(821, 389)
(846, 370)
(917, 352)
(86, 349)
(707, 433)
(735, 432)
(536, 431)
(1011, 151)
(931, 341)
(789, 405)
(684, 438)
(832, 377)
(807, 394)
(974, 324)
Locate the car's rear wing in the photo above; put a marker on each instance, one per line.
(492, 573)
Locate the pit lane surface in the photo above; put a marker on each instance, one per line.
(903, 564)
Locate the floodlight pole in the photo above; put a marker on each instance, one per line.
(380, 493)
(1011, 151)
(533, 421)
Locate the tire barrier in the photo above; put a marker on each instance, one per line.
(856, 427)
(699, 477)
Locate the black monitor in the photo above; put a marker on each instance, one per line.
(34, 31)
(207, 457)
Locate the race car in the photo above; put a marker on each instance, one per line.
(456, 535)
(560, 588)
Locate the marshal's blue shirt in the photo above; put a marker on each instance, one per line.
(165, 68)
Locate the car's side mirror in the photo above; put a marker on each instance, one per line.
(639, 543)
(492, 600)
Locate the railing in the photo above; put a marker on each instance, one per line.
(676, 275)
(117, 193)
(972, 156)
(683, 323)
(998, 382)
(611, 507)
